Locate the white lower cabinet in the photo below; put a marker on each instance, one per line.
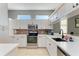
(21, 40)
(52, 48)
(41, 41)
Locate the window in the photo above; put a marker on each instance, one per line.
(24, 17)
(41, 17)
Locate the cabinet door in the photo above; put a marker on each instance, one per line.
(41, 41)
(66, 9)
(52, 48)
(22, 41)
(13, 39)
(40, 25)
(49, 48)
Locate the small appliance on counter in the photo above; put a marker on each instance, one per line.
(50, 32)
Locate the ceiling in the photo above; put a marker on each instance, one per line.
(33, 6)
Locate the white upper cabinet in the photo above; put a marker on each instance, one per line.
(42, 24)
(3, 14)
(3, 20)
(67, 8)
(16, 24)
(20, 24)
(60, 12)
(64, 10)
(54, 17)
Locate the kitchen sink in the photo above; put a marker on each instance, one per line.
(59, 40)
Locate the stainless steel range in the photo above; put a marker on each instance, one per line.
(32, 33)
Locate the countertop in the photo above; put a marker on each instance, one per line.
(71, 48)
(56, 35)
(5, 48)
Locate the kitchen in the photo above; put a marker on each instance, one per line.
(30, 28)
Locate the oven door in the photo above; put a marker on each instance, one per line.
(32, 39)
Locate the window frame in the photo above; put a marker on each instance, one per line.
(41, 17)
(26, 17)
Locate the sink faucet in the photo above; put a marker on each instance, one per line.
(61, 32)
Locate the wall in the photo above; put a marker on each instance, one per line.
(13, 13)
(56, 27)
(71, 25)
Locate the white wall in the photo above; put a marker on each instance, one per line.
(42, 24)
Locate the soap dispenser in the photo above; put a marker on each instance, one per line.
(70, 39)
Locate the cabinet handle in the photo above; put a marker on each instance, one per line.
(49, 44)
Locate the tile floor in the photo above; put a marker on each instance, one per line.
(32, 52)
